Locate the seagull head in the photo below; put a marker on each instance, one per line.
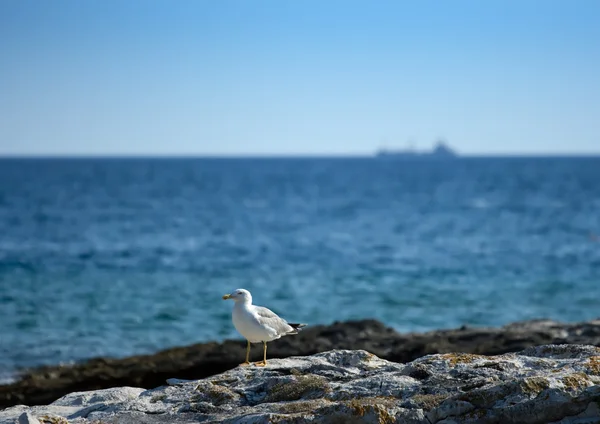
(239, 295)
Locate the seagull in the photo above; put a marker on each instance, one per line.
(257, 324)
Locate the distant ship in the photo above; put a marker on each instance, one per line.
(440, 151)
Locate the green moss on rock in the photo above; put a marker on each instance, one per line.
(214, 394)
(576, 381)
(378, 406)
(302, 386)
(461, 358)
(296, 407)
(593, 364)
(427, 401)
(534, 385)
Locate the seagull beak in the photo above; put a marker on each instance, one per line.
(227, 296)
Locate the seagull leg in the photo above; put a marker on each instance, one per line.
(264, 361)
(247, 356)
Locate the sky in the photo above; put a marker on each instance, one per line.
(292, 77)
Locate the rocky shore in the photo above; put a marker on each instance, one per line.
(555, 384)
(45, 385)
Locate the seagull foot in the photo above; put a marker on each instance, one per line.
(261, 364)
(244, 364)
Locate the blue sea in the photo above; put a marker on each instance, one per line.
(114, 257)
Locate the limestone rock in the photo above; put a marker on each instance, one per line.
(44, 385)
(546, 384)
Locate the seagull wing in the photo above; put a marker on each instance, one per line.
(270, 319)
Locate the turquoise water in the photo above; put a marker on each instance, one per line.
(123, 256)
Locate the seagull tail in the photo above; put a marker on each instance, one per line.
(296, 327)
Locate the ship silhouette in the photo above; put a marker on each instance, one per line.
(440, 151)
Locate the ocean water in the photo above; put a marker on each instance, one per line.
(116, 257)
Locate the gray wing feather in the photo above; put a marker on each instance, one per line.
(269, 318)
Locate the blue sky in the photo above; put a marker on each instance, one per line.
(298, 77)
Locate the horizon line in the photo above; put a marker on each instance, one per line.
(286, 156)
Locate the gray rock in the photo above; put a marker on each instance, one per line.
(44, 385)
(27, 418)
(546, 384)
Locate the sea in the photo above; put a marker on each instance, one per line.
(122, 256)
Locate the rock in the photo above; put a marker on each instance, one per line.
(546, 384)
(44, 385)
(27, 418)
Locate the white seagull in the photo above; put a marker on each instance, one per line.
(258, 324)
